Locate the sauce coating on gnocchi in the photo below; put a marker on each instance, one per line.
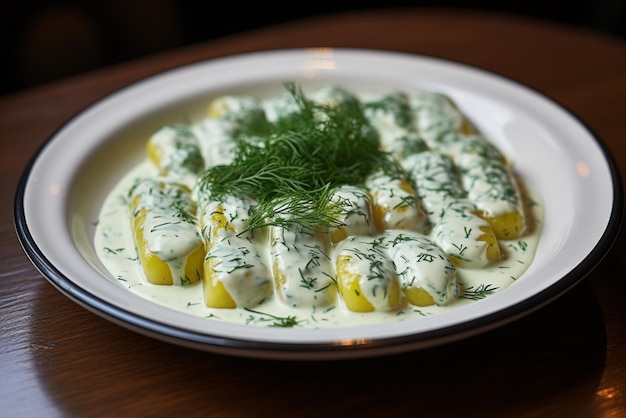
(320, 210)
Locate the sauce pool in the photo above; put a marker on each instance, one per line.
(115, 247)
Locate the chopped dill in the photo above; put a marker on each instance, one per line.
(186, 145)
(396, 105)
(480, 292)
(278, 321)
(181, 210)
(112, 250)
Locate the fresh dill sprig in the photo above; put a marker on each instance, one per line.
(291, 167)
(310, 210)
(182, 209)
(278, 321)
(481, 292)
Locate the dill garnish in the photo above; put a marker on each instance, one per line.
(112, 250)
(278, 321)
(290, 167)
(481, 292)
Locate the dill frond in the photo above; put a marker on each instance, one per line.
(291, 166)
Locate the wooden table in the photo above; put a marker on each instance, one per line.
(568, 359)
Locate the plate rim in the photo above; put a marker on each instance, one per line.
(316, 350)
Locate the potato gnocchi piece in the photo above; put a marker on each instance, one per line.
(366, 277)
(226, 116)
(457, 228)
(395, 203)
(215, 137)
(280, 106)
(491, 185)
(241, 109)
(302, 269)
(434, 177)
(436, 114)
(465, 237)
(235, 274)
(356, 218)
(427, 276)
(175, 152)
(334, 96)
(391, 115)
(166, 233)
(488, 180)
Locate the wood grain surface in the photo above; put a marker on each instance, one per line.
(567, 359)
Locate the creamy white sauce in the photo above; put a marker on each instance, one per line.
(115, 247)
(309, 295)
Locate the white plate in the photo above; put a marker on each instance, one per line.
(63, 188)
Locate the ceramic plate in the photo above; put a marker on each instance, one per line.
(63, 188)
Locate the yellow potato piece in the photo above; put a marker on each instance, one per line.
(303, 272)
(396, 206)
(279, 275)
(218, 226)
(349, 287)
(338, 235)
(193, 266)
(156, 270)
(418, 296)
(235, 274)
(381, 213)
(493, 249)
(492, 252)
(508, 226)
(356, 218)
(155, 153)
(175, 152)
(215, 294)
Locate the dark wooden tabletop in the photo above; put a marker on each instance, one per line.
(566, 359)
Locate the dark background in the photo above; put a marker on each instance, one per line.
(41, 41)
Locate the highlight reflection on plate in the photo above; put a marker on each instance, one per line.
(62, 190)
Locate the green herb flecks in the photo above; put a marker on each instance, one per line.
(188, 149)
(479, 292)
(277, 321)
(113, 250)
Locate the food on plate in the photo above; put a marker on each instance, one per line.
(328, 204)
(165, 231)
(235, 274)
